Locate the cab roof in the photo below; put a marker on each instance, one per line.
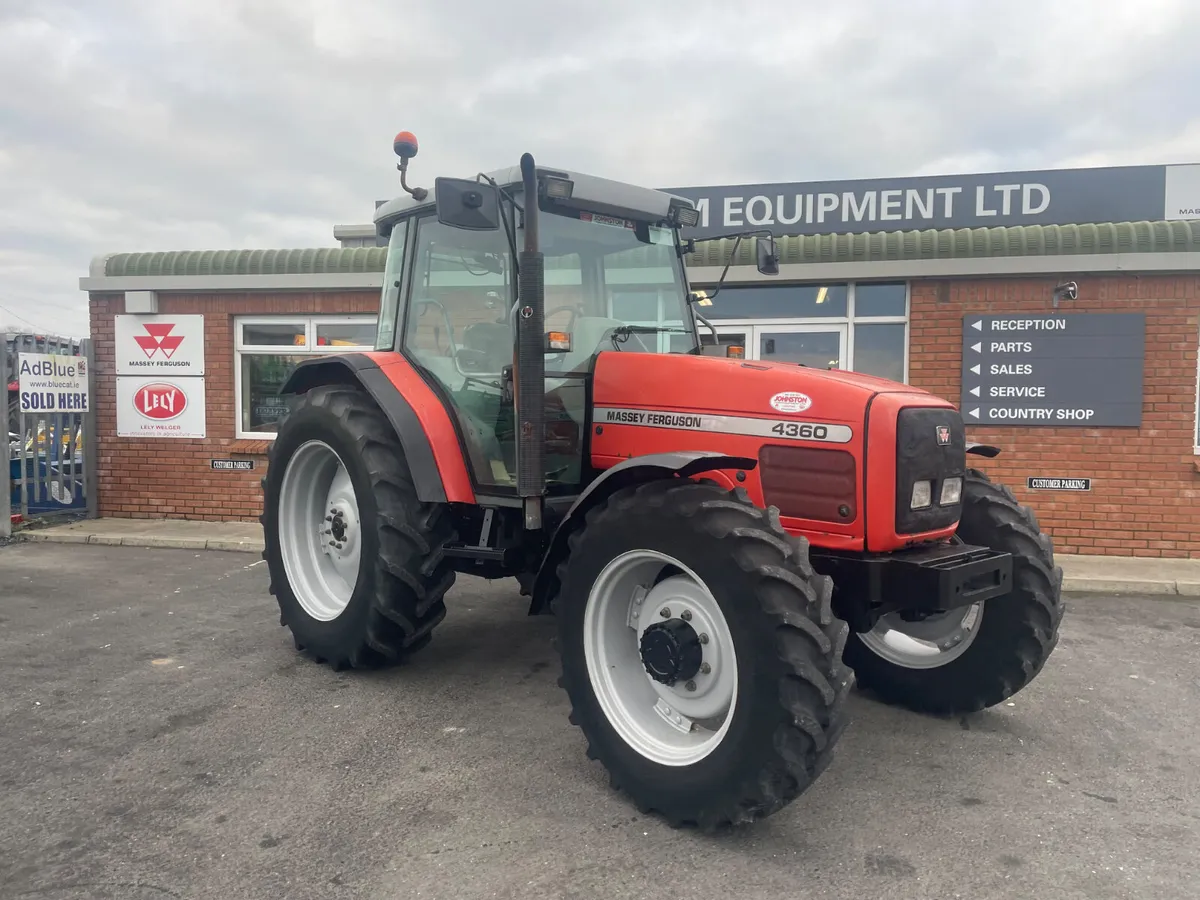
(590, 192)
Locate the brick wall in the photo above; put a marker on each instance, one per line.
(167, 478)
(1144, 497)
(1145, 485)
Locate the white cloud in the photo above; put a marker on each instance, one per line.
(250, 123)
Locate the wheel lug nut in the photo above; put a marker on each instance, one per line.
(704, 638)
(686, 615)
(665, 613)
(705, 668)
(691, 685)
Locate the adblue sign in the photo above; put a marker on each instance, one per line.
(1052, 197)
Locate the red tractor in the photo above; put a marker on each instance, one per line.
(726, 544)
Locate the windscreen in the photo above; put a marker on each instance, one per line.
(603, 273)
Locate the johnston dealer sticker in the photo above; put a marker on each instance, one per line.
(791, 402)
(160, 407)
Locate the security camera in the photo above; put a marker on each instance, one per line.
(1067, 290)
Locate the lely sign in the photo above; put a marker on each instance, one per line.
(160, 408)
(160, 401)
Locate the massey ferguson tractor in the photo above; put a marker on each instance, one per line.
(725, 544)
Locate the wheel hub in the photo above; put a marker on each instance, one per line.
(341, 531)
(671, 651)
(338, 526)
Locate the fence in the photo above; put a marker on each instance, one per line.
(51, 458)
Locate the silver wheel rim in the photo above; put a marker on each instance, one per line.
(669, 725)
(320, 534)
(927, 644)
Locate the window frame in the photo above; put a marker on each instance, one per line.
(1196, 428)
(849, 320)
(310, 322)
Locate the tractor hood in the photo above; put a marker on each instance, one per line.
(722, 386)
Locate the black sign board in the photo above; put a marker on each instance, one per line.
(1058, 484)
(1081, 370)
(1058, 196)
(233, 465)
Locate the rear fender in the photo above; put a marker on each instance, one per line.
(637, 470)
(411, 428)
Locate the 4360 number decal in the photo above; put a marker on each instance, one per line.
(801, 430)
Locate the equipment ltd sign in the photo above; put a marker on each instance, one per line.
(1056, 197)
(160, 376)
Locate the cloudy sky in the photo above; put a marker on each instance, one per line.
(219, 124)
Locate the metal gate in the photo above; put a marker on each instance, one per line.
(51, 458)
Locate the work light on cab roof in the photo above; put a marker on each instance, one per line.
(405, 145)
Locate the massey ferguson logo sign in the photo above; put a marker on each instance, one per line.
(162, 345)
(943, 435)
(160, 401)
(158, 339)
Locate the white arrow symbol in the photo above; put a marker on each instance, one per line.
(974, 413)
(978, 348)
(975, 391)
(975, 368)
(978, 326)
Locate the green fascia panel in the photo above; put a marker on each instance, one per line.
(960, 243)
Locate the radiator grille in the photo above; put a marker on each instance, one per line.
(810, 483)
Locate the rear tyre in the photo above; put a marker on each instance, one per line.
(355, 560)
(700, 653)
(969, 659)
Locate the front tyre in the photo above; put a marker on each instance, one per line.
(355, 560)
(700, 653)
(968, 659)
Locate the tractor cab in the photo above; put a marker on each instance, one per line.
(613, 279)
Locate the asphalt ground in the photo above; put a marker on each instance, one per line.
(160, 737)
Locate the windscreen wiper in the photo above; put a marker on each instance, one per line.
(622, 333)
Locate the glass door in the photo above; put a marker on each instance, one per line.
(815, 346)
(728, 337)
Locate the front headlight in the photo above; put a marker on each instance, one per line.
(951, 491)
(922, 494)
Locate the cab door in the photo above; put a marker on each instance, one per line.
(457, 330)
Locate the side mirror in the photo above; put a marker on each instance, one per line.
(768, 259)
(463, 203)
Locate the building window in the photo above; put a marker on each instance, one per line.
(862, 326)
(268, 348)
